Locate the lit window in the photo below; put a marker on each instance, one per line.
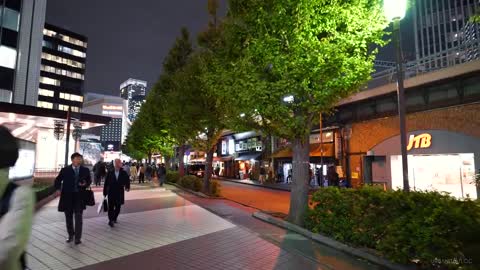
(43, 104)
(71, 51)
(8, 57)
(45, 92)
(50, 81)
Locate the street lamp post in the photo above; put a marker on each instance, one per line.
(395, 11)
(69, 119)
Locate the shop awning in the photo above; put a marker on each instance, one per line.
(249, 157)
(222, 159)
(328, 151)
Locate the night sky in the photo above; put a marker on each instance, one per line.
(129, 39)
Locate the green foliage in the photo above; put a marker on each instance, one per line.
(215, 188)
(42, 190)
(475, 18)
(425, 227)
(172, 177)
(317, 51)
(191, 182)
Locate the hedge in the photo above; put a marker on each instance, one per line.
(430, 229)
(42, 191)
(196, 184)
(172, 176)
(191, 182)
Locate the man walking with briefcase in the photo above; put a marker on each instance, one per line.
(71, 184)
(116, 183)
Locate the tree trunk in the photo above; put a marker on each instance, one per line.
(300, 180)
(208, 170)
(149, 157)
(181, 164)
(168, 160)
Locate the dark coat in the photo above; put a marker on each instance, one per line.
(115, 188)
(65, 181)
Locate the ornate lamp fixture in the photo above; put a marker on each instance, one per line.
(77, 131)
(59, 129)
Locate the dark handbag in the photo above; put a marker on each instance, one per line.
(88, 197)
(105, 205)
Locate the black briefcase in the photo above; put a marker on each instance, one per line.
(105, 205)
(88, 197)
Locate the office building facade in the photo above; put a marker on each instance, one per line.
(62, 70)
(444, 35)
(21, 24)
(114, 133)
(133, 91)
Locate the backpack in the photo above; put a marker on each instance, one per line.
(4, 206)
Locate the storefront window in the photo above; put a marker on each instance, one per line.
(327, 137)
(452, 173)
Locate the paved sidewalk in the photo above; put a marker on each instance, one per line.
(293, 243)
(157, 230)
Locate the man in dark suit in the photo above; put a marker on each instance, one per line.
(70, 184)
(116, 182)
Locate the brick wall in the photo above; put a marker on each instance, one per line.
(365, 135)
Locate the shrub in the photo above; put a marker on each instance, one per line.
(428, 228)
(42, 191)
(187, 181)
(197, 184)
(215, 188)
(172, 177)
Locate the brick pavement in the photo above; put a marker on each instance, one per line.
(160, 230)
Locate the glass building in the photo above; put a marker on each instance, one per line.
(21, 24)
(444, 36)
(62, 70)
(133, 91)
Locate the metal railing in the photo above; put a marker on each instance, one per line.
(467, 52)
(46, 173)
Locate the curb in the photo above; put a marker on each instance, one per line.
(199, 194)
(255, 185)
(331, 242)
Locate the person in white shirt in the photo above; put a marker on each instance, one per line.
(16, 208)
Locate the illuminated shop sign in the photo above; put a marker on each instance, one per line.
(420, 141)
(112, 110)
(112, 107)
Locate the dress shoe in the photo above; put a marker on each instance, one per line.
(78, 242)
(69, 239)
(110, 223)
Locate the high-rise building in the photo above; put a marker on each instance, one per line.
(133, 91)
(112, 135)
(443, 34)
(62, 70)
(21, 24)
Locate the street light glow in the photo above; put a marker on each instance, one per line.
(288, 99)
(394, 9)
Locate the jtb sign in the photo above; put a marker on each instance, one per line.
(420, 141)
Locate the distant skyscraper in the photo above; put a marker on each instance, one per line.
(443, 34)
(133, 91)
(62, 69)
(21, 25)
